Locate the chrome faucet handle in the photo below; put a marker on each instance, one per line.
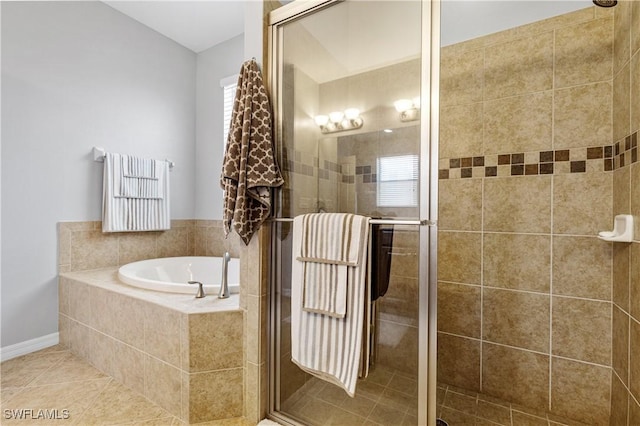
(224, 283)
(200, 294)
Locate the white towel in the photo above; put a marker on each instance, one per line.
(327, 347)
(135, 205)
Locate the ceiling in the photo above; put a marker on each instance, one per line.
(196, 25)
(199, 25)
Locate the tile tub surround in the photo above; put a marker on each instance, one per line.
(82, 246)
(183, 354)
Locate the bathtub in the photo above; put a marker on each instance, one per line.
(170, 274)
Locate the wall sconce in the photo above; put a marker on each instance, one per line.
(338, 121)
(409, 109)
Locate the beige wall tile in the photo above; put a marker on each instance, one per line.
(93, 249)
(635, 27)
(459, 309)
(459, 257)
(515, 375)
(399, 303)
(634, 358)
(79, 295)
(459, 361)
(128, 365)
(460, 204)
(461, 130)
(558, 22)
(506, 264)
(63, 295)
(519, 66)
(635, 200)
(620, 344)
(162, 385)
(398, 346)
(579, 120)
(619, 403)
(581, 329)
(621, 259)
(621, 36)
(462, 76)
(119, 316)
(63, 329)
(584, 53)
(136, 246)
(634, 281)
(634, 412)
(162, 333)
(582, 203)
(521, 204)
(222, 330)
(582, 267)
(505, 131)
(635, 92)
(64, 244)
(174, 242)
(580, 391)
(215, 395)
(621, 104)
(516, 319)
(622, 191)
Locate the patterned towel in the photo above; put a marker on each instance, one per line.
(249, 168)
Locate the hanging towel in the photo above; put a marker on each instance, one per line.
(326, 259)
(328, 347)
(249, 168)
(135, 194)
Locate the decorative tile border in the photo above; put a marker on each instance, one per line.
(576, 160)
(626, 151)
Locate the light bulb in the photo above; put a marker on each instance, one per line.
(403, 105)
(351, 113)
(321, 120)
(336, 116)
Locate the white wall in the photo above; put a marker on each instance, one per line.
(214, 64)
(75, 75)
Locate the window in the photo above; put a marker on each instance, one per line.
(398, 181)
(229, 86)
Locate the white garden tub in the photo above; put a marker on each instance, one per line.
(171, 274)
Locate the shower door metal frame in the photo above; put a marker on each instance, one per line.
(428, 202)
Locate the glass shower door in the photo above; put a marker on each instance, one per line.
(347, 84)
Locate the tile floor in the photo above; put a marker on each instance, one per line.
(55, 380)
(389, 398)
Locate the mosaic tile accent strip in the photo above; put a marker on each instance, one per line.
(626, 151)
(576, 160)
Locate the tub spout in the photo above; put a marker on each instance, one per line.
(224, 285)
(200, 294)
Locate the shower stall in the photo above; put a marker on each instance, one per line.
(488, 154)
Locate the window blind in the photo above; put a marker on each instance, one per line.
(229, 86)
(398, 181)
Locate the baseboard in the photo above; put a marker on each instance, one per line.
(29, 346)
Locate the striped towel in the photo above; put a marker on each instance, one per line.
(131, 206)
(328, 347)
(139, 178)
(326, 260)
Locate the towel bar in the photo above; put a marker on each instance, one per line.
(100, 153)
(374, 221)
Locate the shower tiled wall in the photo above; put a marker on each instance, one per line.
(526, 181)
(625, 406)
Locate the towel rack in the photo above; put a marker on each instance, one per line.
(373, 221)
(100, 153)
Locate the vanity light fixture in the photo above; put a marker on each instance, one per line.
(409, 109)
(339, 121)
